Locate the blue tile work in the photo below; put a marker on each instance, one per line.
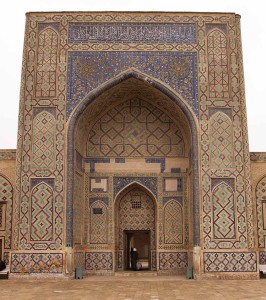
(149, 182)
(87, 70)
(132, 33)
(175, 170)
(230, 262)
(120, 160)
(228, 181)
(36, 181)
(96, 261)
(53, 25)
(158, 161)
(36, 263)
(93, 161)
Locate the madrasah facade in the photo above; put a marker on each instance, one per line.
(132, 133)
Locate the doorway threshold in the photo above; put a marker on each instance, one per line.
(135, 273)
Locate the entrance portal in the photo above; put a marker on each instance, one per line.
(139, 239)
(135, 228)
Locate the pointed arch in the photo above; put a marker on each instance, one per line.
(177, 100)
(134, 184)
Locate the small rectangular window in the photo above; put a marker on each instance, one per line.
(136, 201)
(97, 211)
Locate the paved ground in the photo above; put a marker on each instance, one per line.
(129, 288)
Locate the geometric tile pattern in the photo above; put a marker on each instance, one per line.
(6, 194)
(99, 223)
(223, 212)
(88, 70)
(43, 141)
(42, 213)
(46, 63)
(218, 64)
(7, 154)
(78, 208)
(260, 193)
(36, 262)
(230, 262)
(173, 223)
(135, 128)
(2, 217)
(262, 260)
(173, 261)
(221, 141)
(130, 218)
(179, 66)
(96, 261)
(114, 32)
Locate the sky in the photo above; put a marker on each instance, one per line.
(253, 42)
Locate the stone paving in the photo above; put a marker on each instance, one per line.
(132, 288)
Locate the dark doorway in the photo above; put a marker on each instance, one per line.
(139, 239)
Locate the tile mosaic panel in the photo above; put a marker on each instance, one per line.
(254, 156)
(2, 216)
(262, 259)
(87, 70)
(36, 262)
(135, 128)
(132, 33)
(98, 223)
(173, 260)
(260, 192)
(7, 154)
(79, 209)
(230, 262)
(42, 213)
(221, 141)
(43, 140)
(173, 222)
(6, 195)
(47, 63)
(97, 261)
(153, 260)
(120, 254)
(6, 257)
(218, 64)
(223, 206)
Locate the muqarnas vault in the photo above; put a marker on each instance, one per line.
(132, 133)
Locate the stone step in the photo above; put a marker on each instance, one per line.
(136, 273)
